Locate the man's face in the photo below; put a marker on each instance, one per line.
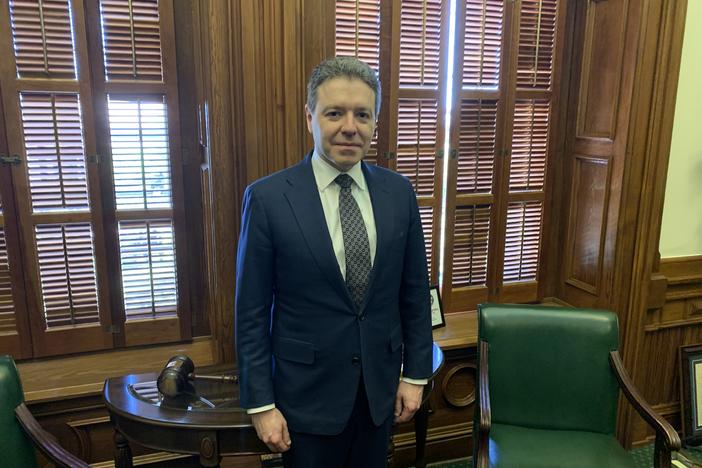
(343, 121)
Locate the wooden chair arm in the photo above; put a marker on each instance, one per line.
(45, 442)
(485, 418)
(664, 431)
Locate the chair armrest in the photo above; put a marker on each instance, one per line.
(485, 418)
(663, 429)
(45, 442)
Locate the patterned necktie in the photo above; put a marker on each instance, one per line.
(356, 245)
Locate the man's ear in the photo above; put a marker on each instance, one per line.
(308, 118)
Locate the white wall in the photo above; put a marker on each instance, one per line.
(681, 232)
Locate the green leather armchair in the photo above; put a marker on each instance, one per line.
(548, 384)
(20, 432)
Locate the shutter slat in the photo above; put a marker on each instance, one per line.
(147, 254)
(53, 139)
(416, 142)
(420, 39)
(65, 257)
(522, 241)
(131, 40)
(482, 46)
(470, 245)
(537, 36)
(529, 145)
(8, 323)
(140, 154)
(358, 30)
(43, 39)
(476, 150)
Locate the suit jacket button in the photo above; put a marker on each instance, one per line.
(362, 317)
(355, 360)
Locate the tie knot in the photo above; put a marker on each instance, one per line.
(344, 180)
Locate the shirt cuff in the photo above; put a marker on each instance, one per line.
(415, 381)
(260, 409)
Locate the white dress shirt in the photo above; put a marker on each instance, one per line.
(324, 175)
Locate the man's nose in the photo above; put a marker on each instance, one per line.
(348, 124)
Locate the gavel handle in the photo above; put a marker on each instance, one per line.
(216, 378)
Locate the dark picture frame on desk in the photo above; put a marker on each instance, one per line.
(691, 393)
(437, 310)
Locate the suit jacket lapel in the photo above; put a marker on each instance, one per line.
(303, 197)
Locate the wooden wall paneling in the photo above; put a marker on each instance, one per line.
(221, 34)
(588, 210)
(631, 129)
(669, 323)
(190, 155)
(653, 108)
(598, 131)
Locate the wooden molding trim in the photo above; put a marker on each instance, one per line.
(434, 434)
(682, 270)
(158, 457)
(51, 379)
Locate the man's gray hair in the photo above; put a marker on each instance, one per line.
(349, 67)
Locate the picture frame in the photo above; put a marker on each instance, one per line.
(437, 310)
(691, 393)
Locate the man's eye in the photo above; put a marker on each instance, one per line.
(364, 115)
(333, 114)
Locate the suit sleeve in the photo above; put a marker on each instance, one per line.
(254, 297)
(414, 299)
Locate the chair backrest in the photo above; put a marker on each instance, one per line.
(16, 448)
(548, 367)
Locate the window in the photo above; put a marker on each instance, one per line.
(468, 97)
(89, 94)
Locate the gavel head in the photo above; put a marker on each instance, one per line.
(173, 379)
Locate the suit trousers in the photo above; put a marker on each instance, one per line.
(361, 444)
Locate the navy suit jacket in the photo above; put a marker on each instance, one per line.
(301, 343)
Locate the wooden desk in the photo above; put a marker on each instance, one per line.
(185, 425)
(190, 425)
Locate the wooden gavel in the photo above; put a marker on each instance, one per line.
(178, 372)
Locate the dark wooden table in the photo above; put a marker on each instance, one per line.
(207, 422)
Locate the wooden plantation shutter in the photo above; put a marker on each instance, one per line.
(41, 32)
(501, 126)
(14, 325)
(529, 128)
(15, 338)
(415, 108)
(57, 189)
(477, 114)
(138, 101)
(358, 35)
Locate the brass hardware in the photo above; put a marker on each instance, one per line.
(13, 160)
(114, 329)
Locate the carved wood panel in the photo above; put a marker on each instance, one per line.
(603, 49)
(589, 194)
(672, 320)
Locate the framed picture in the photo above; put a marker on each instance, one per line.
(437, 310)
(691, 393)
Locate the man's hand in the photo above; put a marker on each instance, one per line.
(272, 429)
(407, 401)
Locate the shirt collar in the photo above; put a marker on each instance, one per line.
(325, 173)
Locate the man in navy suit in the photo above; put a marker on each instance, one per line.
(332, 289)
